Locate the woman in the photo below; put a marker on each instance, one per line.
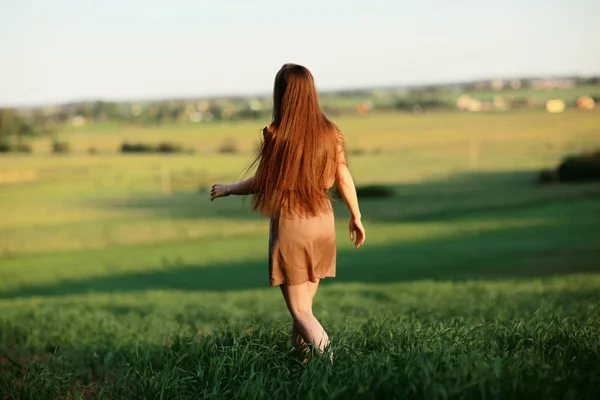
(300, 158)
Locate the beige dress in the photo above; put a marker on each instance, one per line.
(301, 249)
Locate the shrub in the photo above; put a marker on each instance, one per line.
(163, 147)
(60, 147)
(374, 191)
(520, 102)
(15, 148)
(93, 150)
(404, 105)
(137, 148)
(433, 104)
(228, 146)
(166, 147)
(580, 168)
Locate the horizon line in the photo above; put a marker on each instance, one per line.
(329, 90)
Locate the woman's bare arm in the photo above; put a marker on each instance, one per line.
(347, 189)
(241, 188)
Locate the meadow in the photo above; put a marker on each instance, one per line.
(120, 279)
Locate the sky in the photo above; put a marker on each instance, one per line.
(71, 50)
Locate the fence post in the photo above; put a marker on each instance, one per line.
(166, 179)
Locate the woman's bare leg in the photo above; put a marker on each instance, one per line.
(299, 302)
(297, 339)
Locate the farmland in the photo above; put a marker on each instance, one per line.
(120, 279)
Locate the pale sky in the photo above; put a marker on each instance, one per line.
(70, 50)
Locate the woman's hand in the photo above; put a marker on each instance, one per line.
(357, 232)
(219, 190)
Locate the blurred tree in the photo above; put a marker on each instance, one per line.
(13, 127)
(176, 112)
(162, 113)
(102, 111)
(216, 111)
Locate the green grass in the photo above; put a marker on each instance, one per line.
(474, 282)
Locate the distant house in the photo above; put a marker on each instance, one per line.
(548, 84)
(585, 103)
(555, 106)
(364, 107)
(203, 106)
(466, 103)
(516, 84)
(78, 121)
(497, 84)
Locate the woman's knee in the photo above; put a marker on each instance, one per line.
(301, 313)
(298, 300)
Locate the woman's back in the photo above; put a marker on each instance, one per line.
(300, 150)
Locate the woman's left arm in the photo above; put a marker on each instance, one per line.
(241, 188)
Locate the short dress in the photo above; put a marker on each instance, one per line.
(301, 249)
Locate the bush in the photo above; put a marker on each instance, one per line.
(547, 176)
(137, 148)
(374, 191)
(93, 150)
(228, 146)
(433, 104)
(404, 105)
(15, 148)
(520, 102)
(166, 147)
(60, 147)
(163, 147)
(580, 168)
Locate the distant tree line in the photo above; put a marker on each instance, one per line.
(18, 125)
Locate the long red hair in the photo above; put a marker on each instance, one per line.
(300, 150)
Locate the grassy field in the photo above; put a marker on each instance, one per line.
(474, 282)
